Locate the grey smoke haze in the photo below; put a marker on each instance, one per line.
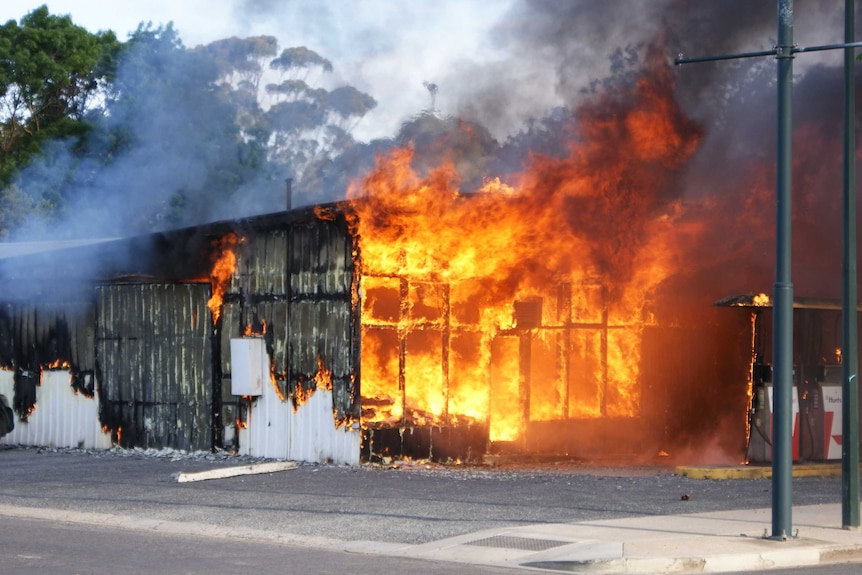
(551, 52)
(557, 53)
(536, 57)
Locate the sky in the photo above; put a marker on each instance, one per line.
(385, 48)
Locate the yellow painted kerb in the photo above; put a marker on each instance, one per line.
(755, 471)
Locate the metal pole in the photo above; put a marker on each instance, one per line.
(782, 323)
(782, 345)
(850, 335)
(681, 59)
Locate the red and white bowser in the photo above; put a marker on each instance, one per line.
(817, 414)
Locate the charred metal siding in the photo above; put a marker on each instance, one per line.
(55, 332)
(255, 304)
(322, 322)
(293, 287)
(154, 363)
(141, 342)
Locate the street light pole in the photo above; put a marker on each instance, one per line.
(782, 307)
(849, 304)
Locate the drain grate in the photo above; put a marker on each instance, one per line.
(522, 543)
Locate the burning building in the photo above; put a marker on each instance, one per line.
(556, 311)
(292, 336)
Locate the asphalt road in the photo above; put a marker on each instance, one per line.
(34, 547)
(320, 505)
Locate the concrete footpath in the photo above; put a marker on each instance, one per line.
(621, 541)
(693, 543)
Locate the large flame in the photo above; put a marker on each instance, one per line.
(222, 270)
(526, 300)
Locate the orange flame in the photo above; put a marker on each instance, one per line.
(250, 331)
(585, 238)
(273, 379)
(223, 268)
(761, 300)
(306, 388)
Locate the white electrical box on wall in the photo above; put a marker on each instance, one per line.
(249, 366)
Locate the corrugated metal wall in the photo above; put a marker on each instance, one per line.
(297, 281)
(155, 363)
(256, 302)
(149, 355)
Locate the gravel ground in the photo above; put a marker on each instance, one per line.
(401, 502)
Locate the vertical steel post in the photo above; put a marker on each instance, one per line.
(782, 345)
(850, 335)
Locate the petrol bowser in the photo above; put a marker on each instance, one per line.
(761, 415)
(832, 420)
(816, 414)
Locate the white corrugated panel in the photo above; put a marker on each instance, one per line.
(61, 418)
(274, 430)
(265, 434)
(314, 437)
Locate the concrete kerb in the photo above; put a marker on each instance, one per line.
(722, 563)
(756, 471)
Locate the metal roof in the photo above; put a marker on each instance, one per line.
(16, 249)
(764, 301)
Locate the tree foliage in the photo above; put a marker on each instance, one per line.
(300, 58)
(241, 60)
(51, 71)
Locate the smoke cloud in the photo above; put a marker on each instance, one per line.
(559, 54)
(522, 76)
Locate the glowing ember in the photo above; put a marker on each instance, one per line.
(525, 301)
(223, 269)
(118, 432)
